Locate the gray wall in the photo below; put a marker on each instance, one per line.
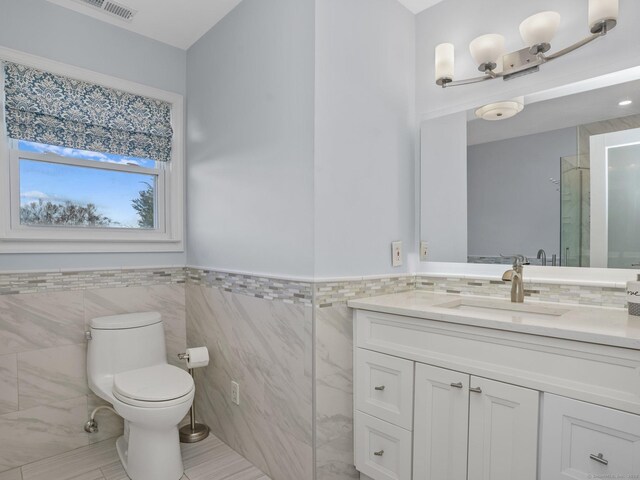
(42, 28)
(443, 179)
(512, 205)
(364, 137)
(250, 140)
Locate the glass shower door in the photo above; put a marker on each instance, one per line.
(574, 211)
(623, 188)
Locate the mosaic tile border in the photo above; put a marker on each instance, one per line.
(320, 294)
(37, 282)
(253, 285)
(543, 292)
(327, 294)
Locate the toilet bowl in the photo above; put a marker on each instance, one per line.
(127, 367)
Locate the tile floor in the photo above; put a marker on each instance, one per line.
(209, 459)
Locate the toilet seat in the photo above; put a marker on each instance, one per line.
(153, 387)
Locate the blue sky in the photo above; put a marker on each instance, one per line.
(111, 191)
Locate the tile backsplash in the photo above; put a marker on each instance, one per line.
(543, 292)
(32, 282)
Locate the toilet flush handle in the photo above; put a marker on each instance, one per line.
(183, 356)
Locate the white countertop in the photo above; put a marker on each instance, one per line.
(606, 326)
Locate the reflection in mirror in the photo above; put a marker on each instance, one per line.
(555, 183)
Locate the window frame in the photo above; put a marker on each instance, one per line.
(81, 232)
(169, 232)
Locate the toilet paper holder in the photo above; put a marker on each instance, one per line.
(193, 432)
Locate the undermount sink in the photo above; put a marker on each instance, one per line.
(503, 308)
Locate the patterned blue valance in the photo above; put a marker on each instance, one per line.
(46, 108)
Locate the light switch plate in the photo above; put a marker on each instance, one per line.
(396, 254)
(424, 251)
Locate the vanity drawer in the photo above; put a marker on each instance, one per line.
(384, 387)
(581, 440)
(383, 450)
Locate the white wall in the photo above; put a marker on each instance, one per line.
(364, 136)
(460, 21)
(512, 205)
(443, 205)
(41, 28)
(250, 140)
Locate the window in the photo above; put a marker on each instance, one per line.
(90, 163)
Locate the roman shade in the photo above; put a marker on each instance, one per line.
(46, 108)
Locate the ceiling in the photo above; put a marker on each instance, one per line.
(416, 6)
(176, 22)
(561, 112)
(181, 23)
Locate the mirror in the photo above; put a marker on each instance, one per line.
(558, 182)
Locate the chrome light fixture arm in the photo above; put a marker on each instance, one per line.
(577, 45)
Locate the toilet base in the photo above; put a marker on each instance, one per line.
(150, 454)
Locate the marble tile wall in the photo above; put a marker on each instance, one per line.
(334, 393)
(265, 346)
(44, 398)
(334, 369)
(288, 344)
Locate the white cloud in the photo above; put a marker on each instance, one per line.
(35, 195)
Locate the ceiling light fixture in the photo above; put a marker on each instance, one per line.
(624, 103)
(537, 31)
(501, 110)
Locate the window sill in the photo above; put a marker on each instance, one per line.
(22, 245)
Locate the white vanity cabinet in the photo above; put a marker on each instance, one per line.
(435, 400)
(464, 427)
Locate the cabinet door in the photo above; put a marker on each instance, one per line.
(384, 387)
(440, 424)
(581, 440)
(503, 431)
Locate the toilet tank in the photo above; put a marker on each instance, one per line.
(121, 343)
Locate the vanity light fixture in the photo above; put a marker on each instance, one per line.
(537, 31)
(625, 103)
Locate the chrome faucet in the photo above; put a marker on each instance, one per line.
(515, 277)
(542, 255)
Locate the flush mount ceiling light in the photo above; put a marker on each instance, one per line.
(501, 110)
(625, 103)
(537, 31)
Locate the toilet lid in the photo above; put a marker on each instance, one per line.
(153, 384)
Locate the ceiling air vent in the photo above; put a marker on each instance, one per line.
(111, 8)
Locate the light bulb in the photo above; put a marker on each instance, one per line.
(538, 30)
(486, 50)
(602, 13)
(445, 62)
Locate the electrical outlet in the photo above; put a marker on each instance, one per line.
(235, 393)
(396, 254)
(424, 251)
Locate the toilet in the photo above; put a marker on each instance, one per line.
(127, 366)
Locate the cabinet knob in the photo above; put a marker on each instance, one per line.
(599, 458)
(457, 385)
(475, 389)
(379, 454)
(379, 388)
